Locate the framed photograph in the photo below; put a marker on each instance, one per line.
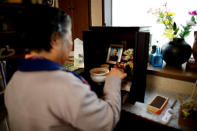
(114, 53)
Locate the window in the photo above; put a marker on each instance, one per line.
(134, 13)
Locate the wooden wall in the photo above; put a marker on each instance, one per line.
(96, 13)
(84, 13)
(79, 10)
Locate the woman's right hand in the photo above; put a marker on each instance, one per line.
(117, 72)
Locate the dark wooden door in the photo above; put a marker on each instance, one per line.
(79, 11)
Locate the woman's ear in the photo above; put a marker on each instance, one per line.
(54, 39)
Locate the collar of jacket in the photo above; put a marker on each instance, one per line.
(42, 64)
(38, 64)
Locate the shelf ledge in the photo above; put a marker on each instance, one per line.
(179, 73)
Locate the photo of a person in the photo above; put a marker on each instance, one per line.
(114, 54)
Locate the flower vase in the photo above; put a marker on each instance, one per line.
(176, 52)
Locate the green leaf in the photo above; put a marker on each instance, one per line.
(187, 27)
(193, 18)
(169, 18)
(161, 14)
(185, 32)
(181, 35)
(176, 31)
(174, 26)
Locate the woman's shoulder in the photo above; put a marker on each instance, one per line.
(68, 77)
(50, 76)
(69, 81)
(63, 76)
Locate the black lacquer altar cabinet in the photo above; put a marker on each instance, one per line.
(96, 44)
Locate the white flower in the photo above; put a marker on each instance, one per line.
(127, 57)
(128, 52)
(189, 22)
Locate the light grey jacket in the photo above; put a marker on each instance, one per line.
(57, 100)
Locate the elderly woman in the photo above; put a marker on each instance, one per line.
(41, 96)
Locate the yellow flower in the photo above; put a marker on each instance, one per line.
(131, 64)
(170, 14)
(169, 33)
(166, 22)
(185, 113)
(166, 17)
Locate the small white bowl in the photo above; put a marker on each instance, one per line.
(98, 74)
